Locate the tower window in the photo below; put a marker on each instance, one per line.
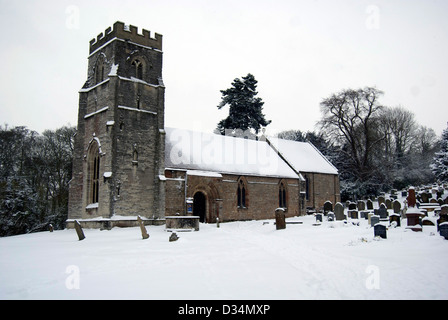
(93, 174)
(100, 69)
(137, 67)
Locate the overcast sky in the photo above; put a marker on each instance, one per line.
(299, 51)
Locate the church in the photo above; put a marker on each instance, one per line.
(128, 164)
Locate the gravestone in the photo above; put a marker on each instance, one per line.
(395, 217)
(328, 206)
(280, 219)
(388, 204)
(145, 234)
(411, 197)
(339, 211)
(369, 204)
(425, 197)
(414, 216)
(444, 210)
(374, 220)
(396, 205)
(79, 231)
(443, 229)
(382, 212)
(380, 230)
(352, 206)
(361, 205)
(381, 200)
(173, 237)
(353, 214)
(50, 227)
(319, 217)
(331, 216)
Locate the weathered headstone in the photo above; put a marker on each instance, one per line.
(380, 230)
(50, 227)
(352, 206)
(79, 231)
(145, 234)
(339, 211)
(444, 209)
(411, 197)
(381, 199)
(331, 216)
(396, 205)
(382, 212)
(388, 204)
(353, 214)
(414, 215)
(328, 206)
(319, 217)
(369, 204)
(374, 220)
(361, 205)
(425, 197)
(395, 217)
(443, 229)
(280, 219)
(173, 237)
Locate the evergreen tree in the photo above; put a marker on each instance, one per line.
(439, 165)
(245, 107)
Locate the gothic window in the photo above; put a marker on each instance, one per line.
(99, 69)
(137, 69)
(93, 173)
(242, 194)
(282, 196)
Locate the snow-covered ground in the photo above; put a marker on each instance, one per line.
(240, 260)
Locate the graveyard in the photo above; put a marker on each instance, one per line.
(364, 250)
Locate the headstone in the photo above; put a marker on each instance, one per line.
(173, 237)
(369, 204)
(425, 197)
(339, 211)
(328, 207)
(381, 200)
(353, 214)
(319, 217)
(280, 219)
(396, 205)
(395, 217)
(374, 220)
(411, 197)
(380, 231)
(443, 229)
(352, 206)
(50, 227)
(414, 216)
(404, 193)
(79, 231)
(145, 234)
(382, 212)
(361, 205)
(388, 204)
(331, 216)
(444, 210)
(427, 222)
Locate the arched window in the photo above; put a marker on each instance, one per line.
(282, 196)
(93, 172)
(242, 194)
(137, 69)
(99, 69)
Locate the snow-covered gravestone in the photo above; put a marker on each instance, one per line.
(369, 204)
(280, 222)
(382, 212)
(396, 206)
(443, 229)
(79, 231)
(328, 207)
(339, 211)
(379, 230)
(145, 234)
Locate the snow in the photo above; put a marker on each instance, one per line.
(191, 150)
(239, 260)
(303, 156)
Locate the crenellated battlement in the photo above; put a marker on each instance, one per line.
(119, 30)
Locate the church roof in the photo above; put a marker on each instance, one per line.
(192, 150)
(303, 156)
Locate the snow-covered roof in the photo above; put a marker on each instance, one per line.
(303, 156)
(191, 150)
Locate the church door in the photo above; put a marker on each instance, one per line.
(199, 206)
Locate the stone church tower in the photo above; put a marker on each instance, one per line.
(118, 163)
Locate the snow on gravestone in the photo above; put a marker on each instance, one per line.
(339, 211)
(280, 219)
(380, 231)
(145, 234)
(79, 231)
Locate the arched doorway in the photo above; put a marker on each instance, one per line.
(199, 206)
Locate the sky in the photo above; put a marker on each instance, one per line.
(299, 51)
